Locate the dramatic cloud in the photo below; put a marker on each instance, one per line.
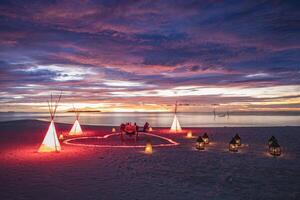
(243, 55)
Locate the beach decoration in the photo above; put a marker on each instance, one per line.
(205, 138)
(274, 149)
(238, 139)
(51, 142)
(113, 130)
(175, 125)
(233, 145)
(150, 129)
(148, 148)
(61, 136)
(76, 128)
(200, 143)
(271, 140)
(189, 134)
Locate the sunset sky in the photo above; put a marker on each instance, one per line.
(144, 55)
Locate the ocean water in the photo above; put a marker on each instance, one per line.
(163, 119)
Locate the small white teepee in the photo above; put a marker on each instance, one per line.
(175, 125)
(76, 128)
(51, 142)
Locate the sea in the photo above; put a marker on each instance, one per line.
(163, 119)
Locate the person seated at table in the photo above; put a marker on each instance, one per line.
(122, 127)
(146, 127)
(136, 127)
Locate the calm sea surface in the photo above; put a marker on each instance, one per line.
(162, 119)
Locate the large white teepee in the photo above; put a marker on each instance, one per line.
(76, 128)
(175, 125)
(51, 142)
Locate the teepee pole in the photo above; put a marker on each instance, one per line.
(49, 110)
(176, 116)
(56, 104)
(51, 106)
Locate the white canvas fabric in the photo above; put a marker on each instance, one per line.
(76, 129)
(50, 142)
(175, 125)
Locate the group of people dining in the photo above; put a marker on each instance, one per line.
(132, 129)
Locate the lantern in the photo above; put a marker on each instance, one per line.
(205, 138)
(189, 134)
(200, 143)
(150, 129)
(237, 140)
(148, 148)
(274, 149)
(113, 130)
(271, 140)
(233, 145)
(61, 136)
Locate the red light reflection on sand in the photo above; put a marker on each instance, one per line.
(28, 153)
(70, 142)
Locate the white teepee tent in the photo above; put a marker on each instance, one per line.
(175, 125)
(76, 128)
(50, 142)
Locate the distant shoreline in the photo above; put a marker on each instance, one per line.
(83, 111)
(262, 113)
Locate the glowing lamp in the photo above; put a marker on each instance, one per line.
(271, 140)
(200, 143)
(148, 148)
(274, 149)
(189, 134)
(233, 145)
(113, 130)
(150, 129)
(205, 138)
(237, 139)
(61, 136)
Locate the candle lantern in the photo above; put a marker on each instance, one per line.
(200, 143)
(237, 139)
(61, 136)
(233, 145)
(148, 148)
(189, 134)
(205, 138)
(150, 129)
(274, 149)
(113, 130)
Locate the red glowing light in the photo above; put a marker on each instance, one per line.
(71, 140)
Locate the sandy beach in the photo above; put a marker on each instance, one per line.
(175, 172)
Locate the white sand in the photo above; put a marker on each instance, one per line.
(178, 172)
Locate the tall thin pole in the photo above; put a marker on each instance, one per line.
(214, 113)
(176, 116)
(49, 110)
(56, 104)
